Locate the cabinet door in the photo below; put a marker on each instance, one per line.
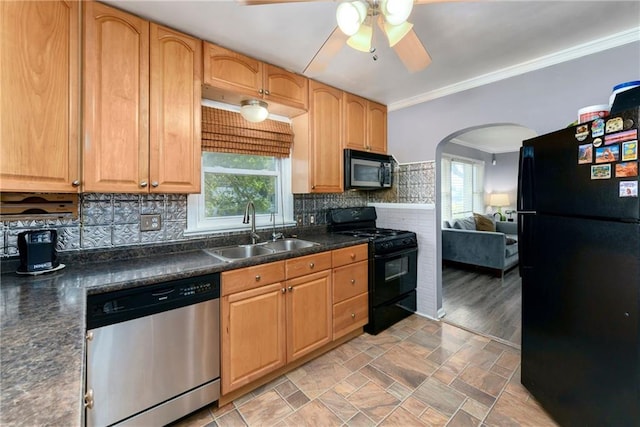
(377, 128)
(309, 311)
(226, 69)
(116, 101)
(253, 335)
(284, 87)
(39, 106)
(326, 159)
(174, 134)
(355, 122)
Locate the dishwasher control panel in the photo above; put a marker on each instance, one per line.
(127, 304)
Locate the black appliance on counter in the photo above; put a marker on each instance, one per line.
(579, 244)
(37, 250)
(393, 265)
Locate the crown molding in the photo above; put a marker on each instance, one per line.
(595, 46)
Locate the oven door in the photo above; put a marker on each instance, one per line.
(395, 274)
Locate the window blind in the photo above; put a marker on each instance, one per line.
(228, 132)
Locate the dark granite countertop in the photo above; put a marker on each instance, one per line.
(42, 324)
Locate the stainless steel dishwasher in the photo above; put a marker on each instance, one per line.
(153, 352)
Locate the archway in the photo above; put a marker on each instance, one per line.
(495, 147)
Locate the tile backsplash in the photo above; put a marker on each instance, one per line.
(113, 220)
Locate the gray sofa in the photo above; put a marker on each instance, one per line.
(497, 250)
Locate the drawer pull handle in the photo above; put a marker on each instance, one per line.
(257, 277)
(353, 256)
(311, 265)
(353, 315)
(290, 288)
(353, 281)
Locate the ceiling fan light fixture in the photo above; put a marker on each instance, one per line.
(254, 110)
(395, 33)
(396, 11)
(350, 16)
(362, 39)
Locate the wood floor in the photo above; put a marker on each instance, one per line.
(479, 301)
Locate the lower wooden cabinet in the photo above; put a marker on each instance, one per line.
(276, 313)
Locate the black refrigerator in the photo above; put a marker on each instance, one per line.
(579, 248)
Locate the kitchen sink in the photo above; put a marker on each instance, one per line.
(290, 244)
(237, 252)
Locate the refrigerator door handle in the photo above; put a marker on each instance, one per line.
(526, 184)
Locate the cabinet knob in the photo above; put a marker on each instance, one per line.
(353, 281)
(353, 256)
(353, 315)
(260, 91)
(257, 277)
(143, 184)
(76, 183)
(154, 183)
(284, 290)
(311, 265)
(88, 399)
(313, 187)
(290, 288)
(266, 92)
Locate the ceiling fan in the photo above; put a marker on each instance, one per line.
(356, 19)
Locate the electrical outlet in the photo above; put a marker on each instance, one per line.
(150, 222)
(312, 220)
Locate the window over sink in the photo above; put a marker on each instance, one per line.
(229, 181)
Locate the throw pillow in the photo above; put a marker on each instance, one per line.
(483, 223)
(465, 223)
(511, 241)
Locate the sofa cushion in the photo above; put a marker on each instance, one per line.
(483, 223)
(511, 250)
(467, 223)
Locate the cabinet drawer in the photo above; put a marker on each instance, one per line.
(350, 315)
(300, 266)
(251, 277)
(349, 280)
(350, 255)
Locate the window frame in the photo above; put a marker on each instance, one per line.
(477, 190)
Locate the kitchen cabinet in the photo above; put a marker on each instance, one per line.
(40, 104)
(317, 159)
(141, 130)
(365, 124)
(350, 289)
(232, 77)
(308, 308)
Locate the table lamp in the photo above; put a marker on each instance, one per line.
(499, 200)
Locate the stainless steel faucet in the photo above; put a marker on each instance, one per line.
(245, 220)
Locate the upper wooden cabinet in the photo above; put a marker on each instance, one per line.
(317, 160)
(232, 77)
(39, 106)
(365, 124)
(119, 155)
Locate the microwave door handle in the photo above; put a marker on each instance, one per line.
(381, 175)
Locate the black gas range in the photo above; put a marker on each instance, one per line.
(392, 265)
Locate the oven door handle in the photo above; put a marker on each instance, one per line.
(394, 254)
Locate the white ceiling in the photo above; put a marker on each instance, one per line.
(470, 43)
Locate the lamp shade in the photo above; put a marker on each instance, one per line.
(396, 11)
(254, 110)
(350, 15)
(362, 39)
(499, 199)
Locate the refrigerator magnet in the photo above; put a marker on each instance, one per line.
(627, 124)
(628, 189)
(585, 154)
(597, 142)
(600, 171)
(597, 128)
(626, 169)
(582, 132)
(614, 125)
(627, 135)
(607, 154)
(629, 150)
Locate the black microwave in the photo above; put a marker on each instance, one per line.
(367, 171)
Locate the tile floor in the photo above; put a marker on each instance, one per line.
(419, 372)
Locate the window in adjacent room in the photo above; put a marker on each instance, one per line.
(462, 187)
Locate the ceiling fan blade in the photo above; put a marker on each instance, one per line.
(329, 49)
(412, 53)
